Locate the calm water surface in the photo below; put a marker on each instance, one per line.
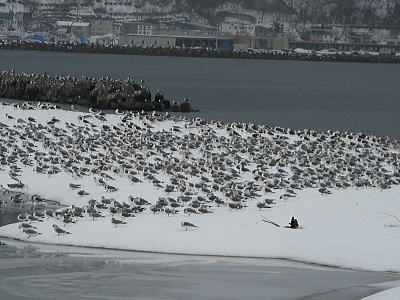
(317, 95)
(29, 271)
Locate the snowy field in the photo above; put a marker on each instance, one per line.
(343, 188)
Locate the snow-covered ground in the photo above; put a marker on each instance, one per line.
(391, 292)
(352, 227)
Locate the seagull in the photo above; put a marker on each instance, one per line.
(60, 230)
(188, 225)
(22, 217)
(117, 222)
(324, 191)
(25, 225)
(73, 108)
(190, 210)
(33, 218)
(30, 232)
(93, 111)
(74, 186)
(49, 213)
(96, 215)
(82, 193)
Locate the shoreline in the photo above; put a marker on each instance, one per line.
(201, 53)
(305, 262)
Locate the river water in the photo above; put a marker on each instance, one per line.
(317, 95)
(29, 271)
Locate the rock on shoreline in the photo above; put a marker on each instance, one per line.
(103, 93)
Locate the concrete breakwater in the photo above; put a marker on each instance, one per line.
(190, 52)
(103, 93)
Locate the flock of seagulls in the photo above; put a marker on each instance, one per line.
(69, 89)
(196, 166)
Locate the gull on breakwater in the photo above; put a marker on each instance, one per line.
(103, 93)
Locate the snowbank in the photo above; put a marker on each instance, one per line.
(349, 228)
(390, 294)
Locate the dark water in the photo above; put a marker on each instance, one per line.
(318, 95)
(9, 210)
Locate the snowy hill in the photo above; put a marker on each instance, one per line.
(205, 12)
(210, 11)
(202, 12)
(349, 12)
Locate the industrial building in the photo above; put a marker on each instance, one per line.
(206, 42)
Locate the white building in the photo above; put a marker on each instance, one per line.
(100, 26)
(147, 40)
(72, 27)
(236, 28)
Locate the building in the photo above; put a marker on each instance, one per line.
(394, 38)
(178, 40)
(140, 28)
(261, 42)
(236, 28)
(371, 34)
(6, 21)
(108, 39)
(99, 26)
(320, 35)
(264, 38)
(147, 40)
(359, 37)
(73, 28)
(31, 23)
(11, 21)
(224, 43)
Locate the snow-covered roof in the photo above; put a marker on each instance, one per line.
(72, 23)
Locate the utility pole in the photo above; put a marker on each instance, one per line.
(77, 10)
(263, 11)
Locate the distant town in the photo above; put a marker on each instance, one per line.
(234, 31)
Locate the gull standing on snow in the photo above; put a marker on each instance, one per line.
(117, 222)
(188, 225)
(60, 230)
(30, 232)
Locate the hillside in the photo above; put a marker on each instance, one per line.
(371, 12)
(376, 12)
